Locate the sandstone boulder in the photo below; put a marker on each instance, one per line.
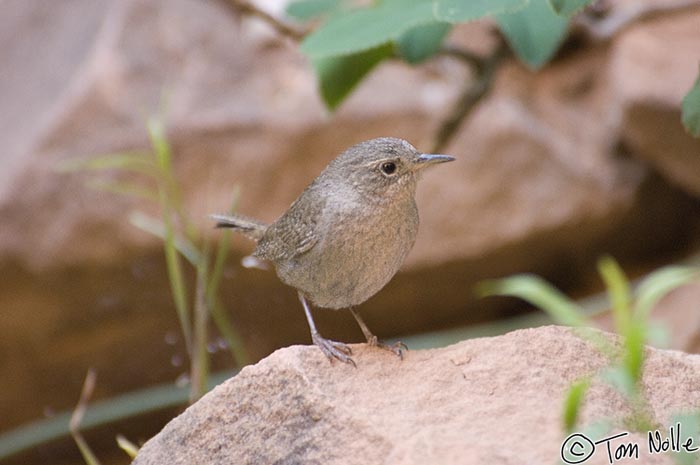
(493, 400)
(537, 186)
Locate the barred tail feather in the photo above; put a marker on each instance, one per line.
(249, 227)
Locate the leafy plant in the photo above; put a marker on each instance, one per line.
(181, 240)
(630, 309)
(359, 38)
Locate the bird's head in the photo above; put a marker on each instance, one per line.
(383, 168)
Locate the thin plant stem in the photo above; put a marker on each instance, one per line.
(200, 358)
(174, 266)
(77, 418)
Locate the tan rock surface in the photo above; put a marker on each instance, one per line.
(536, 186)
(492, 400)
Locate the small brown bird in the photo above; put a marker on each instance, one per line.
(347, 234)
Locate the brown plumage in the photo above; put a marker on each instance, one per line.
(348, 233)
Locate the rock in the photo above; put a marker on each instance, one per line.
(536, 186)
(492, 400)
(653, 66)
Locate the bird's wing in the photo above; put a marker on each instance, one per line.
(294, 233)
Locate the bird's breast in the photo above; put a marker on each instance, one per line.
(360, 251)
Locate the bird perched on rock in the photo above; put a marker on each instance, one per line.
(347, 234)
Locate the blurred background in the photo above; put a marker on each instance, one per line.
(555, 167)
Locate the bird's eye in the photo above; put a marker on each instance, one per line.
(388, 168)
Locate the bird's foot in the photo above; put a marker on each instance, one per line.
(334, 349)
(398, 348)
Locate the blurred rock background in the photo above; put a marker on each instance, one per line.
(554, 168)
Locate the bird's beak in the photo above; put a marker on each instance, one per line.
(427, 159)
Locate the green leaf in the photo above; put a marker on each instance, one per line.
(572, 404)
(218, 313)
(568, 7)
(338, 76)
(169, 200)
(691, 110)
(156, 132)
(539, 293)
(127, 446)
(131, 161)
(534, 33)
(365, 28)
(659, 283)
(422, 42)
(222, 251)
(458, 11)
(309, 9)
(633, 358)
(123, 188)
(618, 292)
(156, 228)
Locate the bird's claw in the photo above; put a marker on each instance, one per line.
(334, 349)
(398, 348)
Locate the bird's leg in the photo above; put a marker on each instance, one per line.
(398, 348)
(332, 349)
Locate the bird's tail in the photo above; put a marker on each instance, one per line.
(249, 227)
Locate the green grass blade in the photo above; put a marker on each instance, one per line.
(200, 356)
(173, 196)
(633, 358)
(218, 313)
(222, 250)
(618, 291)
(157, 228)
(177, 282)
(137, 161)
(165, 192)
(156, 132)
(632, 330)
(127, 446)
(573, 402)
(220, 257)
(539, 293)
